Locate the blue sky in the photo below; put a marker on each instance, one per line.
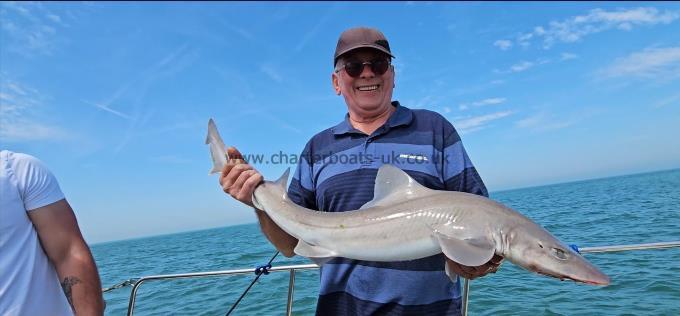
(115, 97)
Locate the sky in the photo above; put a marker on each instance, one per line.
(115, 97)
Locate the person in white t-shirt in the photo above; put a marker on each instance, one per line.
(46, 268)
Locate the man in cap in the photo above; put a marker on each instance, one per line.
(377, 130)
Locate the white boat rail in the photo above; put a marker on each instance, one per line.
(136, 283)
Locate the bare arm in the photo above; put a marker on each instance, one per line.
(278, 237)
(64, 245)
(239, 180)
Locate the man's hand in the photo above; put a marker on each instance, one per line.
(472, 273)
(238, 178)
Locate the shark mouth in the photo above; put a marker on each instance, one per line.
(563, 277)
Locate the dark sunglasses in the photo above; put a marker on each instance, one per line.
(354, 68)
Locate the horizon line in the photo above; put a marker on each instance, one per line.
(498, 191)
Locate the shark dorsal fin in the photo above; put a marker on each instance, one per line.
(392, 185)
(283, 180)
(281, 183)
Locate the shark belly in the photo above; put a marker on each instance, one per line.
(394, 241)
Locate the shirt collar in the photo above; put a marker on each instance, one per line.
(401, 116)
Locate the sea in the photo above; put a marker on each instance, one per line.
(632, 209)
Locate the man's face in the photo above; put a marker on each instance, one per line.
(368, 91)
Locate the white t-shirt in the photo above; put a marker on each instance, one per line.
(29, 284)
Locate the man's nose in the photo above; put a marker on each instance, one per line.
(367, 71)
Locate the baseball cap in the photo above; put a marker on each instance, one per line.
(361, 37)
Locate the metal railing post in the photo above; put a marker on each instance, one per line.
(133, 296)
(291, 289)
(655, 245)
(466, 292)
(135, 287)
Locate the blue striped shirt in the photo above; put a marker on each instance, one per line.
(336, 173)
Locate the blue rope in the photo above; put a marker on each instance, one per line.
(263, 269)
(575, 248)
(259, 271)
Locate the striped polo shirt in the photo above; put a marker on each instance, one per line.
(336, 173)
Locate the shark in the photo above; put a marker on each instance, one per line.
(407, 221)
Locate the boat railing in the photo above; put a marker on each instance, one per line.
(291, 269)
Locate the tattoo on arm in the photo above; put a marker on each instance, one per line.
(66, 285)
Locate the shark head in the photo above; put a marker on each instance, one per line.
(538, 251)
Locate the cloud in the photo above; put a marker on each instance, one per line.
(575, 28)
(567, 56)
(519, 67)
(270, 71)
(55, 18)
(489, 101)
(652, 63)
(503, 44)
(541, 121)
(526, 65)
(108, 109)
(468, 125)
(424, 102)
(25, 130)
(672, 100)
(20, 117)
(530, 121)
(28, 28)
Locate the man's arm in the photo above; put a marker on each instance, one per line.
(64, 245)
(239, 179)
(283, 242)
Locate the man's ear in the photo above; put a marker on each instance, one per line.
(336, 84)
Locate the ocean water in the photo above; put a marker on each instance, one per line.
(614, 211)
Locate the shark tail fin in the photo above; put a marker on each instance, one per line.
(218, 151)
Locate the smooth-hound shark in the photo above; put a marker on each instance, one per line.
(407, 221)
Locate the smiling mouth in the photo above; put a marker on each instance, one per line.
(368, 88)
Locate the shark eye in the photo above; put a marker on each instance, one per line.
(559, 253)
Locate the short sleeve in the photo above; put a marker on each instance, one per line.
(37, 185)
(301, 190)
(459, 172)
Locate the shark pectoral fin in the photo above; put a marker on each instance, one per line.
(317, 254)
(469, 252)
